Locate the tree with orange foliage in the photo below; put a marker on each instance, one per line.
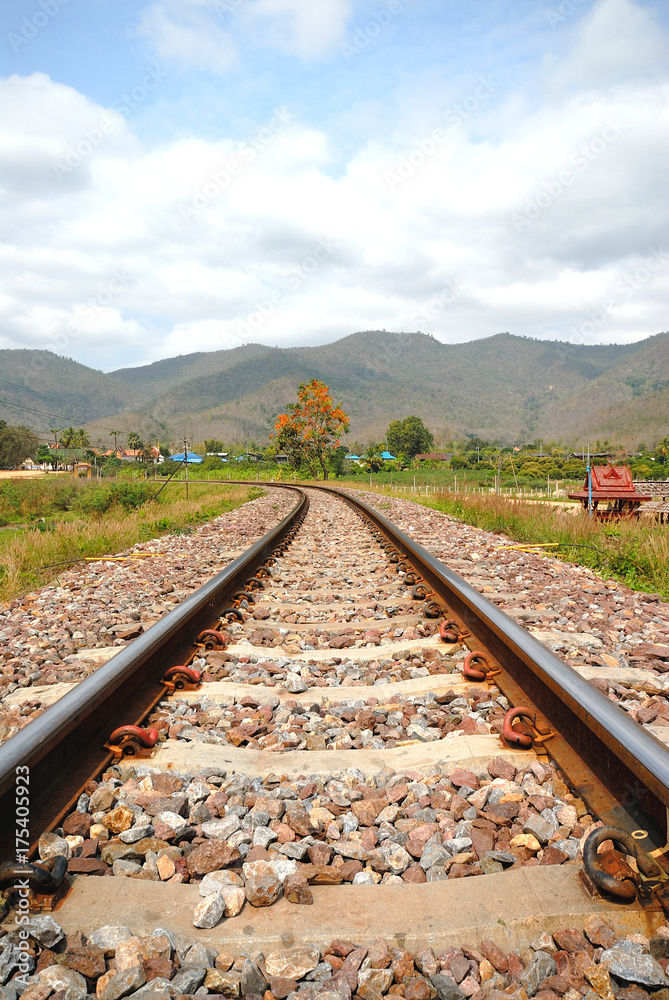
(309, 431)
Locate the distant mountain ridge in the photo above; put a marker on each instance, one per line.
(506, 387)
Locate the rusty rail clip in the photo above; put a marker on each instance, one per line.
(132, 741)
(610, 871)
(46, 882)
(182, 679)
(452, 631)
(477, 667)
(523, 738)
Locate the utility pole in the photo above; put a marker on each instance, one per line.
(186, 463)
(498, 477)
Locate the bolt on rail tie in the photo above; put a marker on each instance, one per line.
(523, 739)
(131, 741)
(452, 631)
(182, 678)
(610, 872)
(45, 881)
(477, 667)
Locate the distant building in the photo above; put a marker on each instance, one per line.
(611, 485)
(435, 456)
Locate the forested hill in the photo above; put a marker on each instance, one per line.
(506, 387)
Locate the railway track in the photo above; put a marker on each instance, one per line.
(339, 760)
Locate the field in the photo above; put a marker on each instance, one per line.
(47, 522)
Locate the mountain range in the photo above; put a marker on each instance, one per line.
(505, 387)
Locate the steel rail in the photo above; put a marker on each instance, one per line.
(63, 747)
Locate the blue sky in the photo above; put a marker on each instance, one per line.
(185, 175)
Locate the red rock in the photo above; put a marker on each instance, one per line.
(87, 866)
(166, 783)
(494, 955)
(284, 833)
(320, 854)
(281, 987)
(572, 941)
(416, 989)
(296, 890)
(553, 856)
(321, 874)
(402, 966)
(379, 954)
(77, 824)
(459, 966)
(257, 853)
(516, 966)
(46, 958)
(632, 992)
(601, 934)
(460, 776)
(352, 963)
(556, 984)
(498, 767)
(210, 857)
(340, 948)
(262, 890)
(349, 869)
(414, 873)
(482, 841)
(88, 960)
(397, 793)
(158, 967)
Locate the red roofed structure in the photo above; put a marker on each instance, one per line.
(611, 485)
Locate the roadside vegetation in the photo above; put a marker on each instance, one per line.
(48, 521)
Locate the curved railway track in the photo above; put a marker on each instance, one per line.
(343, 720)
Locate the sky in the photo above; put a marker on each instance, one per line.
(191, 175)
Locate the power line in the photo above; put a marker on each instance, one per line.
(47, 413)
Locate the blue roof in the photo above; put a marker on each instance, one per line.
(192, 458)
(355, 458)
(387, 456)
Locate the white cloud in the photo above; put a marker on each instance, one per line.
(208, 34)
(188, 35)
(303, 29)
(616, 41)
(140, 253)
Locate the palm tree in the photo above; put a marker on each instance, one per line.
(69, 437)
(56, 431)
(373, 460)
(134, 440)
(82, 439)
(663, 450)
(114, 434)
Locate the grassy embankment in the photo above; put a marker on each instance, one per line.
(47, 521)
(636, 553)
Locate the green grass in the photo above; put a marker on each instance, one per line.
(89, 526)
